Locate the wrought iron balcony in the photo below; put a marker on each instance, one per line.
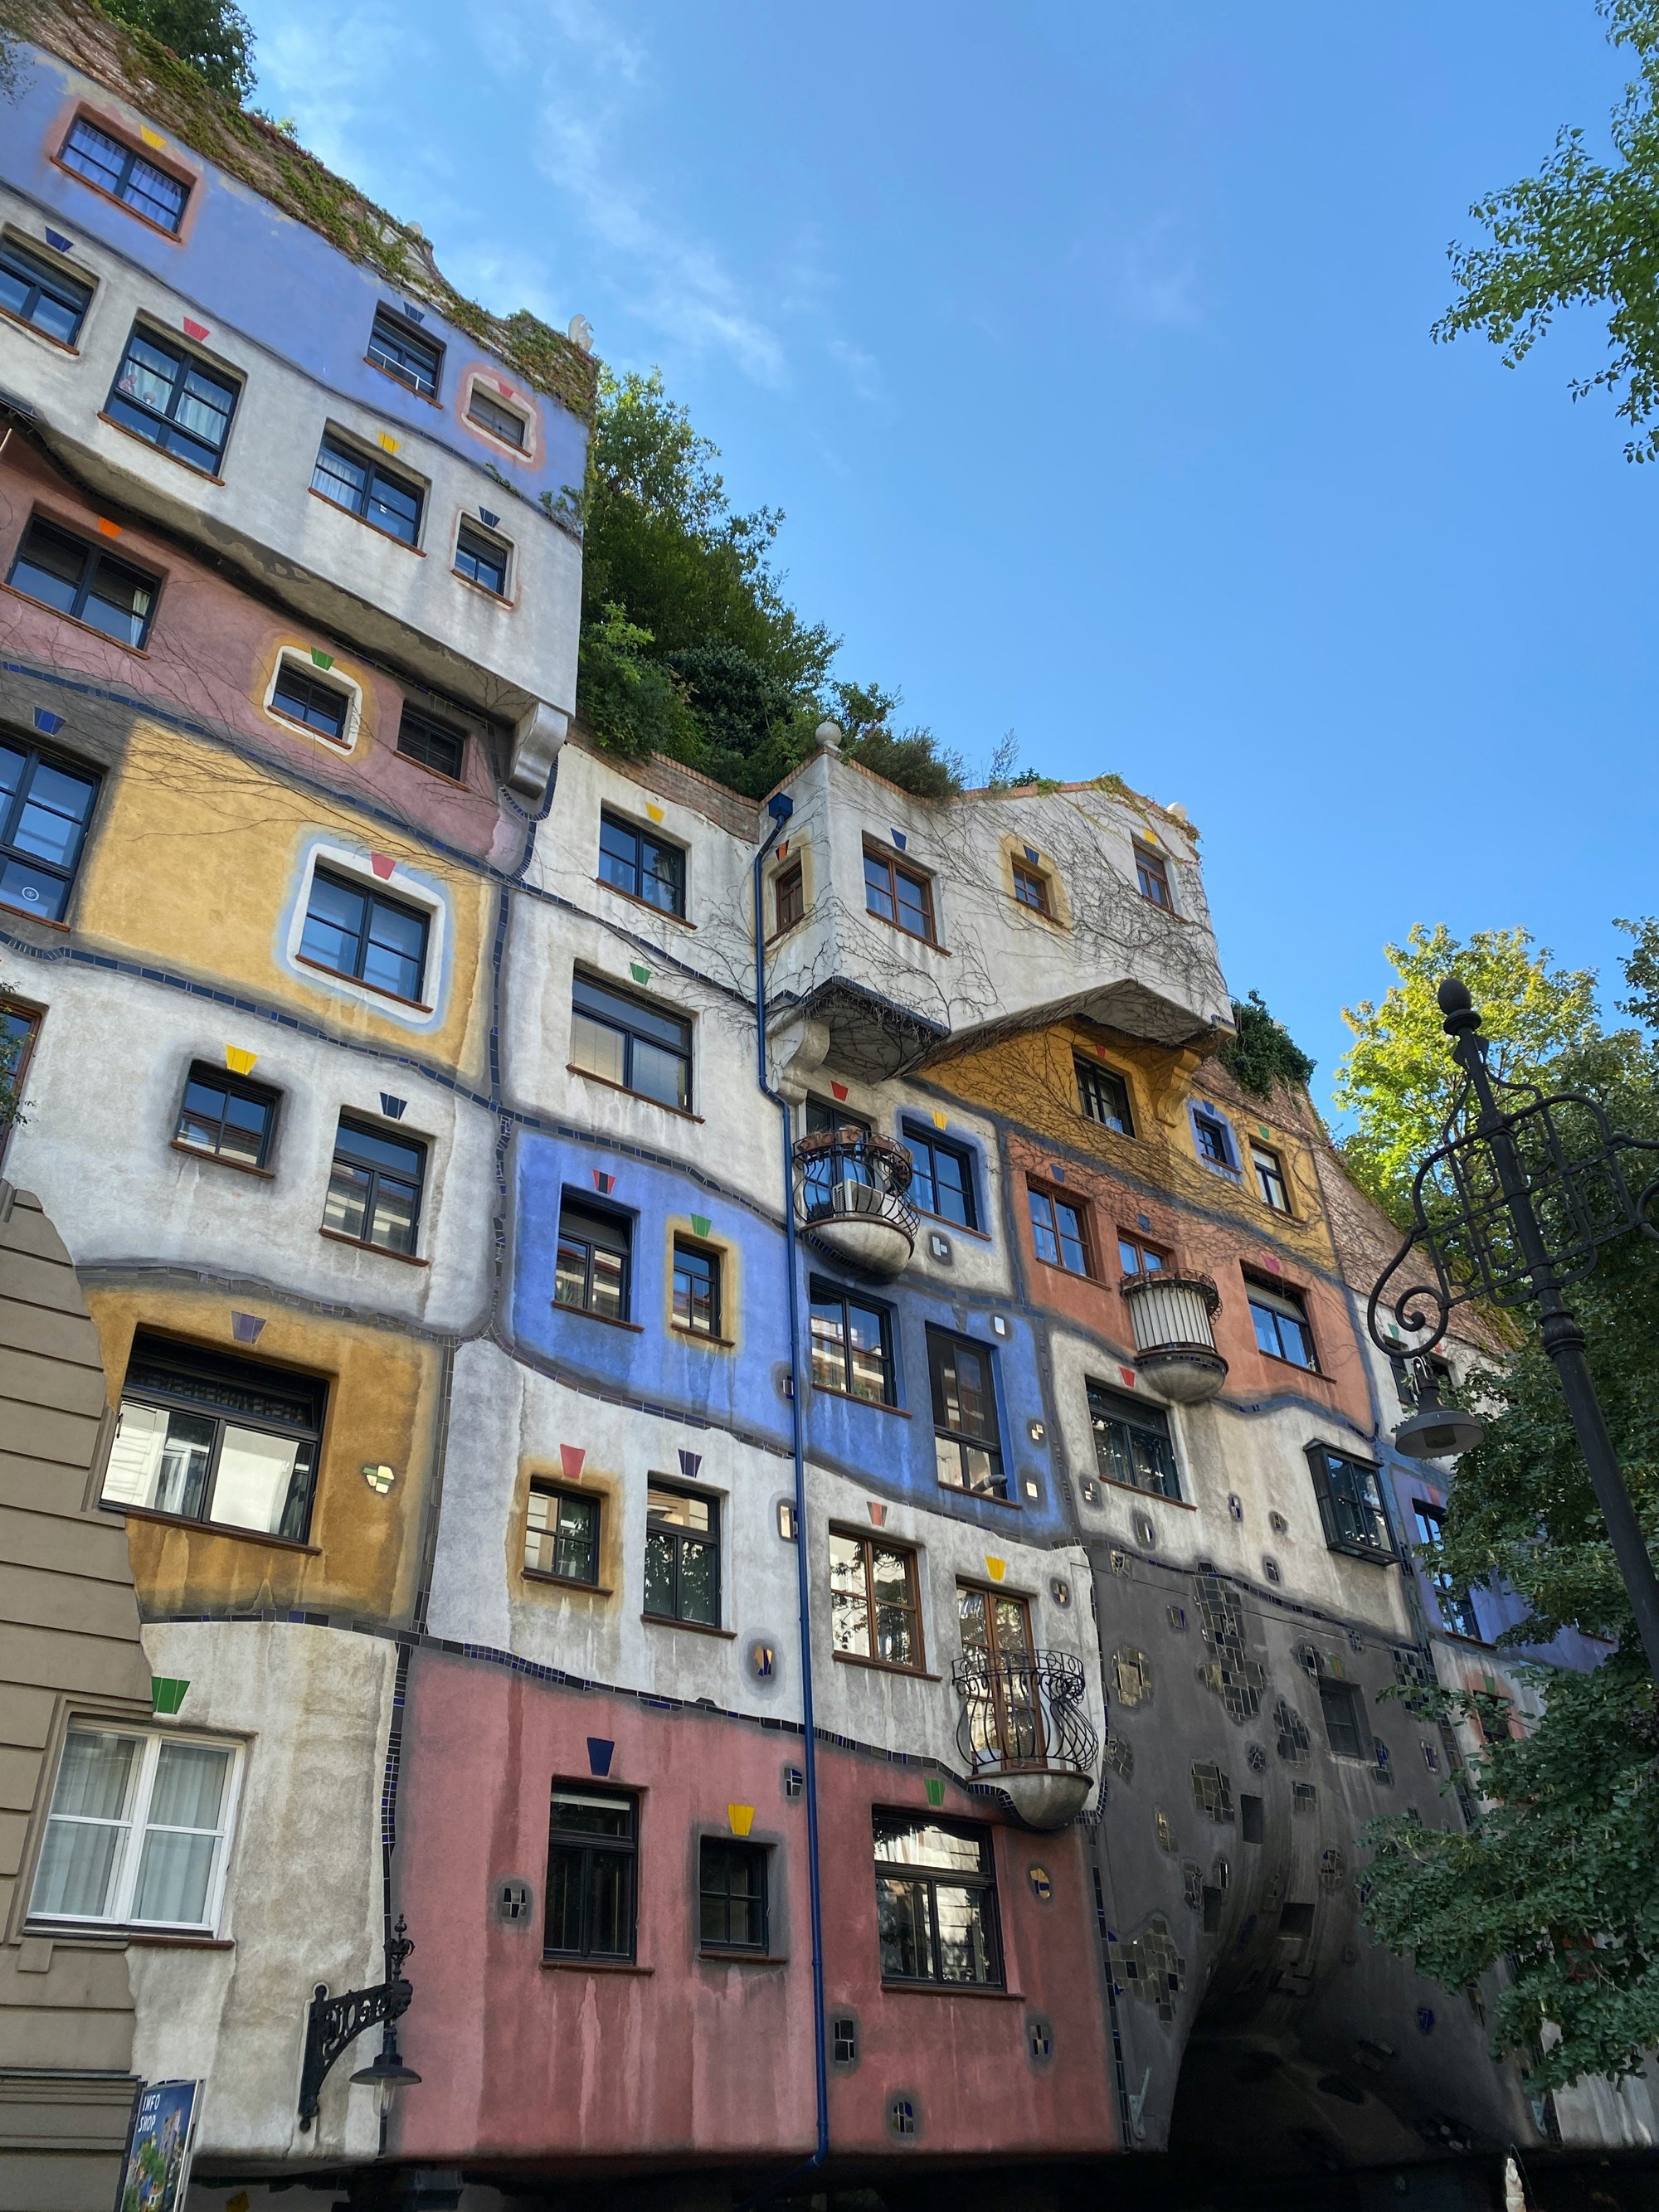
(850, 1201)
(1175, 1344)
(1025, 1726)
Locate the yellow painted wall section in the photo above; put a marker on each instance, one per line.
(363, 1554)
(196, 864)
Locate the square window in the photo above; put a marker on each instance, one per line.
(374, 1188)
(166, 394)
(696, 1289)
(1132, 1442)
(45, 804)
(123, 172)
(1153, 876)
(363, 486)
(968, 1445)
(1270, 1178)
(1060, 1230)
(875, 1604)
(482, 560)
(503, 423)
(1137, 1257)
(138, 1831)
(594, 1260)
(682, 1556)
(35, 291)
(562, 1535)
(852, 1346)
(437, 745)
(731, 1895)
(1104, 1096)
(300, 697)
(82, 580)
(1279, 1317)
(395, 346)
(942, 1178)
(936, 1901)
(628, 1042)
(646, 866)
(202, 1437)
(898, 894)
(226, 1117)
(350, 930)
(1350, 1504)
(1344, 1710)
(788, 898)
(592, 1863)
(1031, 888)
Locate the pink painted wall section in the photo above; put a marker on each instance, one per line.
(211, 653)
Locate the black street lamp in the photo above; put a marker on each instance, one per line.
(331, 2023)
(1513, 1207)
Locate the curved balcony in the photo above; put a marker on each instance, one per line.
(1175, 1344)
(850, 1201)
(1025, 1726)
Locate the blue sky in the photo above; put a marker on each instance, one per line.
(1086, 350)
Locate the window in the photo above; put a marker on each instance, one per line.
(1210, 1136)
(138, 1831)
(202, 1437)
(38, 294)
(1136, 1257)
(503, 423)
(591, 1854)
(1270, 1178)
(353, 931)
(623, 1040)
(898, 895)
(395, 346)
(82, 582)
(300, 697)
(852, 1346)
(591, 1271)
(1350, 1504)
(365, 488)
(178, 403)
(1280, 1321)
(643, 864)
(374, 1188)
(482, 560)
(696, 1289)
(1153, 875)
(19, 1028)
(1456, 1607)
(1060, 1232)
(1132, 1442)
(226, 1117)
(1003, 1713)
(1031, 887)
(936, 1901)
(875, 1611)
(123, 172)
(562, 1535)
(1407, 1371)
(967, 1447)
(788, 898)
(435, 744)
(44, 805)
(1105, 1097)
(943, 1181)
(731, 1895)
(1344, 1718)
(682, 1556)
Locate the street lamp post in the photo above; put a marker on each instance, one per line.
(1513, 1207)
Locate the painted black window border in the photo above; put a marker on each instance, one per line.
(305, 686)
(544, 1486)
(340, 448)
(477, 549)
(964, 1439)
(400, 335)
(1345, 1509)
(1292, 1297)
(1456, 1607)
(93, 559)
(415, 724)
(476, 392)
(935, 1878)
(586, 1848)
(736, 1850)
(822, 1291)
(205, 1072)
(356, 1124)
(916, 1137)
(711, 1539)
(1117, 1408)
(642, 838)
(1274, 1172)
(595, 1227)
(44, 279)
(618, 1022)
(706, 1256)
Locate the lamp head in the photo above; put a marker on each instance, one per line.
(386, 2070)
(1437, 1431)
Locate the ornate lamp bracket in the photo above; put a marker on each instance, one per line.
(332, 2023)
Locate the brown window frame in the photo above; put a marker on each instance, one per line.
(1023, 871)
(788, 889)
(1152, 866)
(1055, 1196)
(870, 1543)
(1142, 1245)
(923, 883)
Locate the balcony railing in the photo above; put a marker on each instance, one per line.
(1025, 1726)
(850, 1201)
(1175, 1344)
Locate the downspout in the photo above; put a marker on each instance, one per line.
(780, 806)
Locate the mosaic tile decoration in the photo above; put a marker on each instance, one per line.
(1409, 1671)
(1150, 1966)
(1119, 1758)
(1131, 1671)
(1212, 1791)
(1191, 1884)
(1295, 1744)
(1257, 1757)
(1304, 1798)
(1332, 1869)
(1166, 1834)
(1237, 1684)
(1236, 1680)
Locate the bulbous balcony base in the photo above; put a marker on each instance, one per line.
(876, 1243)
(850, 1201)
(1185, 1374)
(1051, 1798)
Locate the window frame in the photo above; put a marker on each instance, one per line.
(1202, 1119)
(301, 674)
(478, 390)
(373, 897)
(202, 1073)
(1091, 1074)
(580, 980)
(736, 1848)
(1105, 1405)
(136, 158)
(1132, 1240)
(1273, 1173)
(542, 1485)
(932, 1144)
(32, 1019)
(431, 726)
(1457, 1613)
(941, 1341)
(136, 1827)
(362, 1125)
(1041, 1194)
(789, 886)
(896, 868)
(13, 807)
(44, 278)
(1333, 1690)
(822, 1291)
(119, 406)
(93, 560)
(710, 1256)
(712, 1539)
(588, 1847)
(340, 446)
(476, 543)
(588, 1216)
(1153, 866)
(402, 332)
(643, 838)
(1025, 873)
(934, 1879)
(869, 1542)
(1254, 1291)
(1342, 1512)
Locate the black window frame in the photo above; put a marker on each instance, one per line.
(94, 562)
(133, 159)
(788, 890)
(1271, 1174)
(477, 549)
(982, 1881)
(414, 723)
(13, 807)
(401, 336)
(375, 473)
(587, 1227)
(678, 1538)
(306, 688)
(648, 849)
(896, 868)
(1039, 1193)
(822, 1292)
(706, 1257)
(588, 1849)
(158, 1356)
(593, 1505)
(941, 1343)
(735, 1852)
(1207, 1127)
(930, 1147)
(1152, 868)
(24, 1022)
(1108, 1409)
(373, 899)
(203, 1074)
(160, 426)
(1405, 1382)
(366, 1163)
(1351, 1505)
(1254, 1290)
(44, 279)
(618, 1022)
(1456, 1607)
(476, 392)
(1333, 1694)
(1097, 1085)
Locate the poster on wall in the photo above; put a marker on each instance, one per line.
(157, 2169)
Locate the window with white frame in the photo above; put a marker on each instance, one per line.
(139, 1830)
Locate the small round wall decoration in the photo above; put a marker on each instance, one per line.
(1042, 1888)
(379, 1479)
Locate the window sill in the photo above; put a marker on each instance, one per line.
(193, 185)
(390, 536)
(644, 1097)
(605, 1320)
(495, 598)
(718, 1958)
(139, 652)
(212, 1528)
(985, 1497)
(594, 1966)
(1071, 1274)
(361, 1244)
(40, 920)
(696, 1627)
(22, 322)
(107, 1931)
(883, 1666)
(664, 912)
(218, 1160)
(976, 1990)
(778, 935)
(953, 1228)
(426, 398)
(342, 745)
(1308, 1373)
(873, 1405)
(1372, 1558)
(392, 997)
(932, 944)
(1134, 1490)
(567, 1582)
(701, 1336)
(455, 782)
(156, 447)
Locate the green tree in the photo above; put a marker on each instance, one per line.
(211, 35)
(1581, 233)
(1397, 1078)
(1261, 1053)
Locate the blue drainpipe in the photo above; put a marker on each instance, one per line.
(780, 806)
